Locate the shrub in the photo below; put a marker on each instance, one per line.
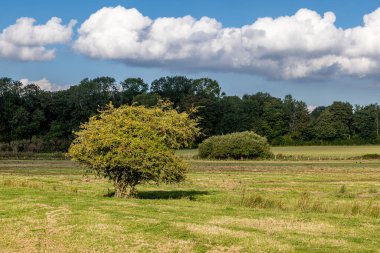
(35, 145)
(371, 156)
(242, 145)
(132, 144)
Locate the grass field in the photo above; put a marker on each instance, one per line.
(224, 206)
(309, 152)
(326, 152)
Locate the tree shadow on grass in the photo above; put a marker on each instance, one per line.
(192, 194)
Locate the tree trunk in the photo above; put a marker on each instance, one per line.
(123, 190)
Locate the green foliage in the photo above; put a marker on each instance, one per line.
(27, 112)
(146, 99)
(133, 144)
(366, 122)
(370, 156)
(173, 88)
(242, 145)
(334, 123)
(132, 87)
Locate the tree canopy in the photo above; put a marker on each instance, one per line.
(32, 119)
(134, 144)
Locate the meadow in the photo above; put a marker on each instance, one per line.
(315, 205)
(309, 152)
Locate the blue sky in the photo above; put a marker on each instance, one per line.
(327, 78)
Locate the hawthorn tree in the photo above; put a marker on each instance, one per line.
(131, 145)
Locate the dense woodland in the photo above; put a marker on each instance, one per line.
(32, 119)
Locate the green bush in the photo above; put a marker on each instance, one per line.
(371, 156)
(131, 145)
(242, 145)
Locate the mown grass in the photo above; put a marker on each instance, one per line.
(326, 152)
(224, 206)
(295, 153)
(32, 155)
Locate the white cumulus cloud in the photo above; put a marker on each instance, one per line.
(304, 45)
(27, 42)
(43, 83)
(311, 108)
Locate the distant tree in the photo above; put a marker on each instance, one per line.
(132, 87)
(134, 144)
(297, 116)
(173, 88)
(84, 100)
(208, 114)
(366, 122)
(334, 123)
(146, 99)
(324, 128)
(229, 114)
(186, 93)
(35, 101)
(19, 123)
(253, 106)
(274, 122)
(10, 101)
(317, 112)
(342, 119)
(206, 87)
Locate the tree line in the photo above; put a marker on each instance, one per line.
(32, 119)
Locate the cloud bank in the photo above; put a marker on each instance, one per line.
(305, 45)
(27, 42)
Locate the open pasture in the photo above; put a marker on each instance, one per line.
(309, 152)
(224, 206)
(327, 152)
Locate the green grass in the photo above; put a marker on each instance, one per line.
(32, 155)
(224, 206)
(310, 152)
(326, 152)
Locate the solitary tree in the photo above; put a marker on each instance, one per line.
(133, 144)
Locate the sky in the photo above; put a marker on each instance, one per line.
(319, 51)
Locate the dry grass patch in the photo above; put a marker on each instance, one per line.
(165, 245)
(56, 229)
(229, 185)
(170, 245)
(212, 230)
(103, 227)
(150, 221)
(271, 225)
(21, 239)
(243, 241)
(37, 234)
(320, 242)
(232, 249)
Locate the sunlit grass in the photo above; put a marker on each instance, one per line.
(338, 152)
(308, 152)
(245, 206)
